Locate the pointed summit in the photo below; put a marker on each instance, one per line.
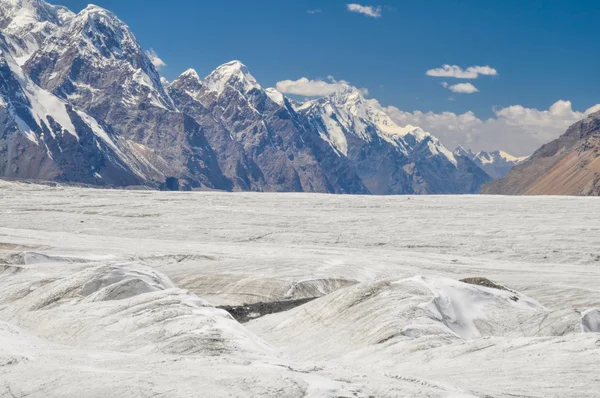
(109, 35)
(190, 82)
(28, 23)
(461, 151)
(234, 74)
(190, 73)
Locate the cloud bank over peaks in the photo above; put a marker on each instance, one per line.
(514, 129)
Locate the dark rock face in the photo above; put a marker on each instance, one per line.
(34, 144)
(262, 145)
(569, 165)
(479, 281)
(97, 65)
(247, 312)
(223, 132)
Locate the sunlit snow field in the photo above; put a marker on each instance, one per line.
(111, 293)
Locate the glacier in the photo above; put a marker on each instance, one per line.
(117, 293)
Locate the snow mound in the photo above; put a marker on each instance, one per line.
(393, 310)
(122, 307)
(590, 321)
(471, 311)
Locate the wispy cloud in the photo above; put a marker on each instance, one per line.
(315, 11)
(472, 72)
(462, 88)
(369, 11)
(314, 88)
(155, 59)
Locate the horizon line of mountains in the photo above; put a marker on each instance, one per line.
(81, 102)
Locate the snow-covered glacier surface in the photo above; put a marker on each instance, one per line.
(116, 293)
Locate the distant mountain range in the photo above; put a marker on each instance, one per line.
(81, 102)
(496, 164)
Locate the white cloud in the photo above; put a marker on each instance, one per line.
(155, 59)
(315, 11)
(463, 88)
(373, 12)
(313, 88)
(514, 129)
(472, 72)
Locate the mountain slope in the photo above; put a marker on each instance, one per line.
(261, 142)
(389, 159)
(92, 61)
(224, 132)
(496, 164)
(44, 137)
(569, 165)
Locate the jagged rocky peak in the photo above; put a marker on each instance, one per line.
(461, 151)
(232, 74)
(28, 23)
(94, 60)
(188, 81)
(347, 111)
(190, 76)
(16, 14)
(107, 33)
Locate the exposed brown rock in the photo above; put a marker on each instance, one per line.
(569, 165)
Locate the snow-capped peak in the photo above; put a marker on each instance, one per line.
(190, 73)
(352, 100)
(31, 22)
(275, 96)
(234, 74)
(498, 156)
(93, 9)
(105, 31)
(510, 158)
(348, 110)
(495, 163)
(461, 151)
(190, 82)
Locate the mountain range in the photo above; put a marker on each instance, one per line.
(80, 101)
(496, 164)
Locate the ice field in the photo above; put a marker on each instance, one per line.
(114, 293)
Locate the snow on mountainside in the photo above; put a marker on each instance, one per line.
(389, 158)
(57, 141)
(347, 110)
(96, 39)
(233, 74)
(261, 142)
(95, 63)
(224, 131)
(28, 23)
(496, 164)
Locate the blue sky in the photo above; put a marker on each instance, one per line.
(543, 51)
